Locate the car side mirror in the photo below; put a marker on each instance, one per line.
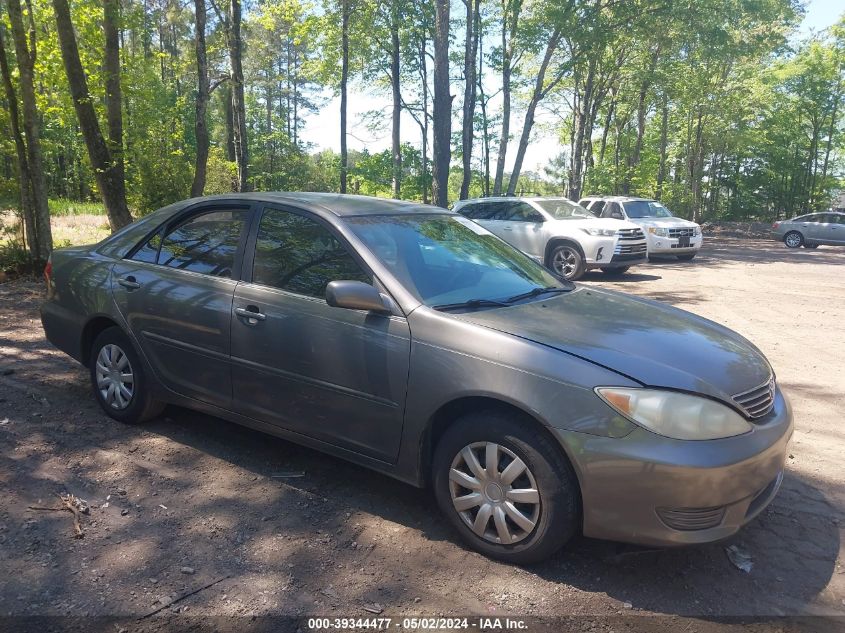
(355, 295)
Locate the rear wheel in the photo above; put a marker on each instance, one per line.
(566, 261)
(619, 270)
(793, 239)
(685, 257)
(506, 488)
(118, 378)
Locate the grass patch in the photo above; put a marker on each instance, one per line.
(60, 207)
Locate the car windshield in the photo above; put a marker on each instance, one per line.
(646, 209)
(561, 209)
(445, 259)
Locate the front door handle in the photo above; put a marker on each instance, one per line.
(251, 314)
(128, 282)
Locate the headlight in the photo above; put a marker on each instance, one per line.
(676, 415)
(658, 231)
(602, 232)
(696, 231)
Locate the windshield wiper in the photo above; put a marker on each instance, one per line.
(536, 292)
(472, 304)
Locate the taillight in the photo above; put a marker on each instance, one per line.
(775, 225)
(48, 272)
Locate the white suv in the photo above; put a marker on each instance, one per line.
(666, 234)
(560, 234)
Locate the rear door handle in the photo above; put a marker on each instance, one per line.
(251, 314)
(507, 228)
(128, 282)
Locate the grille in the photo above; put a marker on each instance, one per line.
(689, 519)
(630, 249)
(759, 401)
(682, 232)
(630, 234)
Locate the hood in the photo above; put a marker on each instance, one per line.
(650, 342)
(674, 223)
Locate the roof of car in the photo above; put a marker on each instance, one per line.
(510, 198)
(619, 198)
(337, 203)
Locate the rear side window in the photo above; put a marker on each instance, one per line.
(206, 243)
(300, 255)
(149, 251)
(597, 207)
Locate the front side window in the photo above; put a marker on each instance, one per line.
(524, 212)
(646, 209)
(444, 259)
(206, 243)
(298, 254)
(474, 211)
(561, 209)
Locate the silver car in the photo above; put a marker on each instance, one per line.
(413, 341)
(812, 230)
(560, 234)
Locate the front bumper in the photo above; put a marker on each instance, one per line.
(652, 490)
(671, 245)
(612, 252)
(620, 261)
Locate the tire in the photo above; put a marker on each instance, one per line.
(566, 261)
(111, 355)
(619, 270)
(652, 259)
(686, 257)
(551, 521)
(793, 239)
(810, 245)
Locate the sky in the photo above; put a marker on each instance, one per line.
(322, 130)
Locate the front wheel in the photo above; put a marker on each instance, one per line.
(619, 270)
(118, 378)
(685, 257)
(566, 261)
(505, 487)
(793, 239)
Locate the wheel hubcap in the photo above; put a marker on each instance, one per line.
(564, 262)
(115, 379)
(793, 240)
(494, 493)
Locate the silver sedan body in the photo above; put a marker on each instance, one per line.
(387, 383)
(811, 230)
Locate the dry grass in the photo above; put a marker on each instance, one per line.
(69, 230)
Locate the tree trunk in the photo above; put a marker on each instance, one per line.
(485, 122)
(344, 78)
(25, 53)
(634, 159)
(235, 45)
(664, 134)
(442, 119)
(514, 7)
(229, 116)
(201, 124)
(24, 178)
(396, 147)
(577, 159)
(114, 101)
(112, 187)
(470, 88)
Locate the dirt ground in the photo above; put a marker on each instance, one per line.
(188, 499)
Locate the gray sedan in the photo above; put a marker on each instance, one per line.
(411, 340)
(812, 230)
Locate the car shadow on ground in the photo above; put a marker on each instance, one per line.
(719, 252)
(793, 544)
